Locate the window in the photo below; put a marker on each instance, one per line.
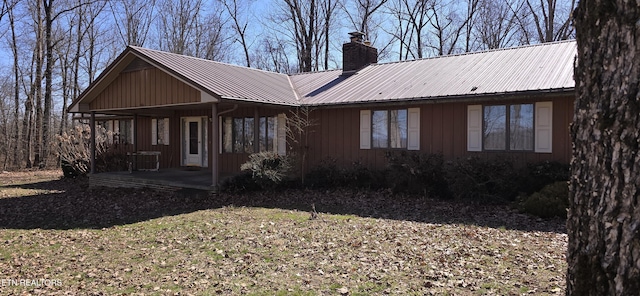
(125, 131)
(238, 134)
(508, 127)
(398, 129)
(389, 128)
(515, 127)
(160, 131)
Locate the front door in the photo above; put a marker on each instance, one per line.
(192, 137)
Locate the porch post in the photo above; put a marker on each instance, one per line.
(215, 129)
(135, 142)
(256, 130)
(92, 125)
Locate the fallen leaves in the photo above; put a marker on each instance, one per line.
(116, 241)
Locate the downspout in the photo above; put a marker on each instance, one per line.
(235, 107)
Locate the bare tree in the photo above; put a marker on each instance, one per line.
(51, 14)
(328, 9)
(417, 16)
(497, 23)
(15, 145)
(186, 28)
(300, 20)
(551, 19)
(234, 10)
(300, 124)
(447, 25)
(133, 20)
(271, 55)
(604, 215)
(6, 135)
(362, 15)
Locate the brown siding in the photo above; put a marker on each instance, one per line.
(143, 88)
(443, 129)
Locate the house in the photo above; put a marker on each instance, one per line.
(516, 102)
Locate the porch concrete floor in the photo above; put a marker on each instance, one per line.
(178, 178)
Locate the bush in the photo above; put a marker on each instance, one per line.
(551, 201)
(484, 180)
(359, 176)
(268, 169)
(417, 173)
(326, 175)
(74, 148)
(112, 160)
(535, 176)
(242, 182)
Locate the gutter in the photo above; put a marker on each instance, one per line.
(532, 94)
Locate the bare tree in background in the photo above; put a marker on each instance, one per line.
(15, 145)
(6, 120)
(301, 20)
(185, 27)
(362, 16)
(447, 26)
(551, 19)
(133, 20)
(271, 55)
(32, 123)
(497, 23)
(416, 13)
(239, 24)
(328, 9)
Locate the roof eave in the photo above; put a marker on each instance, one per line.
(454, 98)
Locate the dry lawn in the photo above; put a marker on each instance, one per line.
(116, 242)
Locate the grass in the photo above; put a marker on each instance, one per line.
(259, 246)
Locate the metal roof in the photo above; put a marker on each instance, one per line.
(535, 68)
(225, 80)
(543, 67)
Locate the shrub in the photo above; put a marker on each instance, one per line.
(360, 176)
(74, 148)
(535, 176)
(326, 175)
(551, 201)
(242, 182)
(416, 173)
(485, 180)
(112, 160)
(268, 169)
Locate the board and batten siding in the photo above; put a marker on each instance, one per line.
(442, 129)
(144, 88)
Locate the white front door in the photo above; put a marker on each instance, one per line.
(192, 139)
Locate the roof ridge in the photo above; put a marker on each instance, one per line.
(313, 72)
(479, 52)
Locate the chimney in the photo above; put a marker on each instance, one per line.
(357, 53)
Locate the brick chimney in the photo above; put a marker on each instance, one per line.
(357, 53)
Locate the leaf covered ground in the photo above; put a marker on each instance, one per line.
(143, 242)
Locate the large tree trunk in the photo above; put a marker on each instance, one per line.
(604, 216)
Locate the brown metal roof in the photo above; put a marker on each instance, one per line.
(543, 67)
(225, 80)
(535, 68)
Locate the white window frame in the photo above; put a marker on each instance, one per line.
(542, 122)
(413, 129)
